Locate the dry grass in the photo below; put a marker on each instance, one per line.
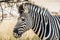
(6, 28)
(6, 31)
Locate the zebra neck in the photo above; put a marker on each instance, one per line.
(41, 25)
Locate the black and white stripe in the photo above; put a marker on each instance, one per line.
(46, 26)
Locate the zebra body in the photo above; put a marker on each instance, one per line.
(46, 26)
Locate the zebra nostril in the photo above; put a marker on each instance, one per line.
(20, 33)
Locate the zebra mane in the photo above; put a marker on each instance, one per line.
(31, 7)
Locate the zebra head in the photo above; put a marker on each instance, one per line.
(24, 23)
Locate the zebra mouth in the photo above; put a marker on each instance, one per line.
(15, 35)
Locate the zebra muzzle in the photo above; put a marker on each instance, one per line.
(17, 33)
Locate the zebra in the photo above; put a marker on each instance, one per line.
(39, 19)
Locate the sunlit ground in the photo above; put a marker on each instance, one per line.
(6, 31)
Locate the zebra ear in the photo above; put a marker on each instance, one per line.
(25, 9)
(20, 9)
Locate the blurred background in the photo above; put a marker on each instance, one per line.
(9, 14)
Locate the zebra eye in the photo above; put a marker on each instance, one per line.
(22, 18)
